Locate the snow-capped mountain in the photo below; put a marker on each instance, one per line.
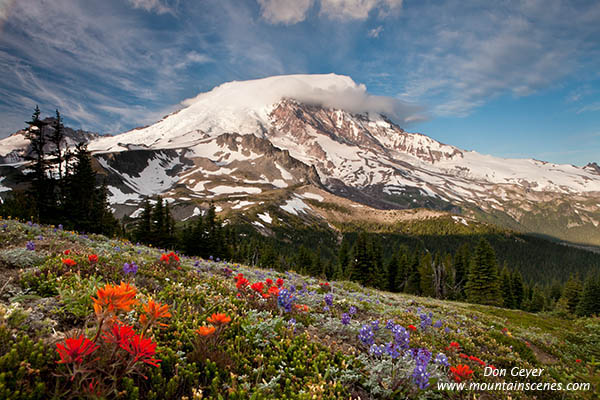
(253, 140)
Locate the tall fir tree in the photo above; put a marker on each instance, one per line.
(57, 138)
(143, 228)
(572, 293)
(86, 201)
(41, 187)
(483, 284)
(461, 270)
(413, 277)
(589, 303)
(506, 287)
(518, 289)
(361, 264)
(426, 275)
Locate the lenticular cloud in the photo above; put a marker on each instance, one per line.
(331, 91)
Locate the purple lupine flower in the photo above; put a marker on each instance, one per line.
(401, 336)
(375, 325)
(210, 258)
(421, 376)
(366, 335)
(392, 350)
(292, 288)
(441, 359)
(390, 324)
(285, 299)
(29, 223)
(352, 310)
(130, 268)
(60, 227)
(326, 308)
(422, 356)
(377, 350)
(345, 318)
(438, 324)
(329, 299)
(40, 237)
(30, 245)
(425, 320)
(447, 330)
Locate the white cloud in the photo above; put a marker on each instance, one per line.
(287, 12)
(358, 9)
(156, 6)
(331, 91)
(374, 33)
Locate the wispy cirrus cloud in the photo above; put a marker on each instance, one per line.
(515, 50)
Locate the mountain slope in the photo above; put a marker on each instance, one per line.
(256, 138)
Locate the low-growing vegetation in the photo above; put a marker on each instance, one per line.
(85, 316)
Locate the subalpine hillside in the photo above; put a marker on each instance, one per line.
(90, 317)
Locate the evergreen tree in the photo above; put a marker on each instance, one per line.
(393, 270)
(40, 183)
(538, 301)
(572, 293)
(57, 138)
(361, 265)
(380, 273)
(506, 287)
(87, 204)
(589, 304)
(158, 220)
(304, 259)
(426, 275)
(413, 281)
(143, 229)
(483, 285)
(461, 270)
(344, 258)
(404, 268)
(518, 290)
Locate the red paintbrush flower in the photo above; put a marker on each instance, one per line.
(74, 349)
(219, 319)
(269, 282)
(93, 258)
(153, 311)
(118, 334)
(412, 328)
(112, 298)
(461, 372)
(258, 287)
(242, 282)
(279, 282)
(68, 262)
(142, 349)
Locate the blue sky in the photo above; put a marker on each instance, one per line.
(513, 79)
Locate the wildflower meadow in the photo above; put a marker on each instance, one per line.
(85, 316)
